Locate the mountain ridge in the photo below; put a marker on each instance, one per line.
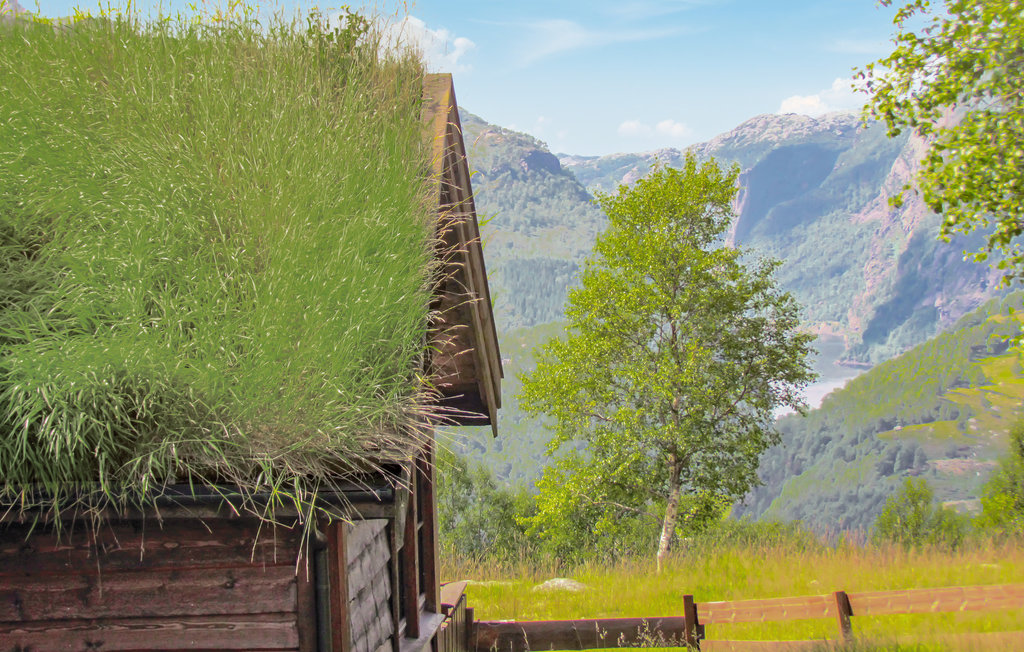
(814, 194)
(827, 181)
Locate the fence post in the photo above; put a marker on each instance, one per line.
(843, 613)
(470, 641)
(690, 622)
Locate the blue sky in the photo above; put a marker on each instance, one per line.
(596, 76)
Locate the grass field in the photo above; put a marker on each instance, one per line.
(215, 240)
(632, 588)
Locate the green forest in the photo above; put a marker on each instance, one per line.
(941, 411)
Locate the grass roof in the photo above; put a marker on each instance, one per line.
(215, 249)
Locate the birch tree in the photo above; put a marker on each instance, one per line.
(676, 357)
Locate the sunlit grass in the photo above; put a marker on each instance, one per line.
(215, 252)
(631, 588)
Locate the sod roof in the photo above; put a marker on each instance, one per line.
(220, 253)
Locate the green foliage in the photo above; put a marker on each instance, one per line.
(1002, 502)
(477, 519)
(675, 358)
(215, 250)
(911, 518)
(746, 534)
(583, 516)
(956, 82)
(947, 399)
(544, 223)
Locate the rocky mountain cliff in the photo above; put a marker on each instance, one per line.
(9, 8)
(539, 222)
(814, 194)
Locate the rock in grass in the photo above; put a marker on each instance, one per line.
(561, 584)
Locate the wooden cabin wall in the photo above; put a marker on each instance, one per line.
(200, 582)
(133, 585)
(368, 554)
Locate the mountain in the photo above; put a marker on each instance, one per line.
(941, 411)
(814, 194)
(9, 8)
(539, 222)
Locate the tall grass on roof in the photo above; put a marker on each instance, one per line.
(214, 255)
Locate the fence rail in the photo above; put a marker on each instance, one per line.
(455, 633)
(688, 629)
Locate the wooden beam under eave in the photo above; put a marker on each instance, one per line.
(457, 212)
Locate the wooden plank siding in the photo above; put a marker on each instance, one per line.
(466, 363)
(264, 632)
(139, 585)
(196, 573)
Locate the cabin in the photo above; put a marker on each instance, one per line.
(198, 570)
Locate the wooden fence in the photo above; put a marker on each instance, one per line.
(456, 632)
(689, 628)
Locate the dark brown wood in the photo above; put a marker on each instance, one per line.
(261, 632)
(451, 592)
(137, 546)
(410, 589)
(843, 613)
(395, 539)
(341, 634)
(520, 636)
(428, 534)
(453, 635)
(470, 629)
(305, 604)
(583, 634)
(475, 359)
(690, 621)
(149, 593)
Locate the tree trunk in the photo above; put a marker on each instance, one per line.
(668, 526)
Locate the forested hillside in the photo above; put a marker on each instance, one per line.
(941, 410)
(540, 222)
(813, 194)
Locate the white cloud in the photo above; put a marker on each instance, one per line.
(441, 50)
(634, 128)
(839, 97)
(549, 37)
(667, 132)
(673, 129)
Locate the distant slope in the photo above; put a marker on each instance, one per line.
(814, 194)
(10, 8)
(941, 410)
(518, 455)
(541, 222)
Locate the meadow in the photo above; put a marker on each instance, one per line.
(216, 247)
(631, 588)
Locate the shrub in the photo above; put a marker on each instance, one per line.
(911, 518)
(1002, 501)
(477, 518)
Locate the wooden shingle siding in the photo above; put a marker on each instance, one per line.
(134, 585)
(369, 585)
(466, 361)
